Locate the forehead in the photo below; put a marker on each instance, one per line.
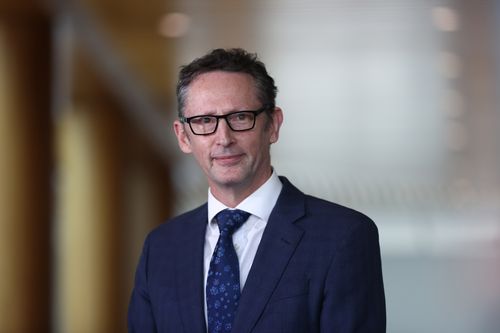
(221, 91)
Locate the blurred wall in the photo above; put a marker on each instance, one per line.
(81, 180)
(112, 182)
(25, 169)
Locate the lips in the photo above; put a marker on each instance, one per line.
(227, 160)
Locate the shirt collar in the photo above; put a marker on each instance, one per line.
(260, 203)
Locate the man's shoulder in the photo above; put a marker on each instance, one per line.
(323, 215)
(318, 206)
(332, 209)
(181, 223)
(327, 219)
(196, 213)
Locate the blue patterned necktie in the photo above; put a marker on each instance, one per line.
(223, 280)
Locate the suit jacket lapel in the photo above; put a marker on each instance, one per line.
(190, 272)
(278, 243)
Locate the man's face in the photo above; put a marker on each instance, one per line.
(230, 160)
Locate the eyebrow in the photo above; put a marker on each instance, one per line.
(214, 113)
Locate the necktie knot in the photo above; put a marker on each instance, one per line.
(229, 220)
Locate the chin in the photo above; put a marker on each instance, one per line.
(228, 180)
(231, 175)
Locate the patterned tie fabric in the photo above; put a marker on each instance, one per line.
(223, 280)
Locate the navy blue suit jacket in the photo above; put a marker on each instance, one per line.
(317, 269)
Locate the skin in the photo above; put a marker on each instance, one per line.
(235, 163)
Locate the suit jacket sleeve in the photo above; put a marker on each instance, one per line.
(140, 313)
(354, 298)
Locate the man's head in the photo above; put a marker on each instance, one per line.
(231, 60)
(222, 121)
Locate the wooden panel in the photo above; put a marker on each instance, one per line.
(25, 170)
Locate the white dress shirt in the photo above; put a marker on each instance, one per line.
(247, 238)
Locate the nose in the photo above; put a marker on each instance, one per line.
(224, 134)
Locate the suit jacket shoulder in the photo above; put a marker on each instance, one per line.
(174, 230)
(319, 216)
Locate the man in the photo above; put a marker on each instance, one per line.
(260, 256)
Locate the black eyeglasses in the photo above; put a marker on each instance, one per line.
(237, 121)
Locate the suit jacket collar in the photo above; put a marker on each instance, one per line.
(277, 246)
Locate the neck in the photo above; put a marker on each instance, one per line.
(229, 198)
(232, 195)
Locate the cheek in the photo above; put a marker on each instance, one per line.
(200, 152)
(260, 148)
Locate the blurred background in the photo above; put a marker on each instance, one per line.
(391, 107)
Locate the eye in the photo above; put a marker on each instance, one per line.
(242, 116)
(202, 120)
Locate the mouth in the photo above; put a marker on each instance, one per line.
(227, 160)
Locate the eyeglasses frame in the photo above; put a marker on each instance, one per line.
(187, 120)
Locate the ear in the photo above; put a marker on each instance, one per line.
(182, 137)
(277, 120)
